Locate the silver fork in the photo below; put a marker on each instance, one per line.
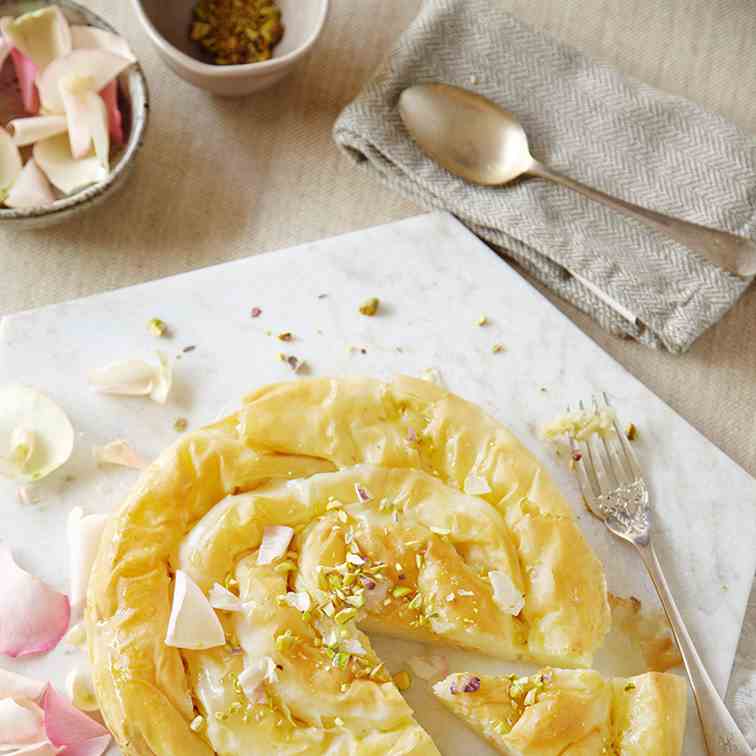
(613, 486)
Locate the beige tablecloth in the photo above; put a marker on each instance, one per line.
(224, 179)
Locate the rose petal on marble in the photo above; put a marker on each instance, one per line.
(23, 408)
(26, 73)
(505, 593)
(118, 453)
(33, 616)
(127, 377)
(32, 189)
(10, 163)
(193, 623)
(80, 689)
(18, 686)
(66, 726)
(66, 173)
(275, 542)
(79, 71)
(221, 598)
(84, 533)
(163, 380)
(25, 131)
(21, 723)
(115, 118)
(92, 38)
(87, 119)
(475, 485)
(42, 36)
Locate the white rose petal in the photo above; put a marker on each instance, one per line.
(42, 35)
(505, 593)
(275, 543)
(135, 378)
(84, 533)
(10, 163)
(253, 677)
(118, 453)
(80, 688)
(193, 624)
(36, 437)
(221, 598)
(92, 38)
(68, 174)
(32, 189)
(26, 131)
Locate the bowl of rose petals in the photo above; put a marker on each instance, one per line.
(73, 111)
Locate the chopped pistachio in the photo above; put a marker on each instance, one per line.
(286, 336)
(402, 680)
(530, 697)
(285, 641)
(197, 723)
(343, 616)
(370, 306)
(482, 320)
(338, 721)
(496, 348)
(340, 660)
(630, 686)
(416, 602)
(631, 432)
(400, 591)
(157, 327)
(180, 424)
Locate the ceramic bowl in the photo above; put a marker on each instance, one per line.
(167, 23)
(134, 103)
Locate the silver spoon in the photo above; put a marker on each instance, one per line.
(474, 138)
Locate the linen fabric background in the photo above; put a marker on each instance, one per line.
(224, 179)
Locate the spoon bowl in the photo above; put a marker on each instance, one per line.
(465, 133)
(476, 139)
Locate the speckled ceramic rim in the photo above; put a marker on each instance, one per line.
(234, 71)
(137, 83)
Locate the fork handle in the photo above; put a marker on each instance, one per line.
(723, 738)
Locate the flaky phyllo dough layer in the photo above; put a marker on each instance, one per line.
(372, 477)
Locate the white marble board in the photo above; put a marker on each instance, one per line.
(435, 280)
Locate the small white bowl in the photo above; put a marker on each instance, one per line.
(168, 22)
(133, 91)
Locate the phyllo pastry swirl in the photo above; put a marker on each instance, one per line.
(410, 512)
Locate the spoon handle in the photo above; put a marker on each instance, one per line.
(732, 253)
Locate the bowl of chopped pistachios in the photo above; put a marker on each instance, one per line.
(232, 47)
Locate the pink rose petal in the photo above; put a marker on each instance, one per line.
(92, 747)
(115, 119)
(18, 686)
(26, 73)
(33, 616)
(69, 728)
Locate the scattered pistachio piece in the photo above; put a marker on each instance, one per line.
(197, 723)
(370, 306)
(255, 312)
(630, 686)
(286, 336)
(402, 680)
(343, 616)
(496, 348)
(482, 320)
(631, 432)
(181, 424)
(338, 721)
(285, 566)
(158, 327)
(401, 591)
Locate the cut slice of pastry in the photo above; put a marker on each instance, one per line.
(559, 712)
(390, 507)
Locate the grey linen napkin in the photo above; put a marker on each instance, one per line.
(587, 120)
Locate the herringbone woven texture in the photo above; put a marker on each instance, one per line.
(588, 121)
